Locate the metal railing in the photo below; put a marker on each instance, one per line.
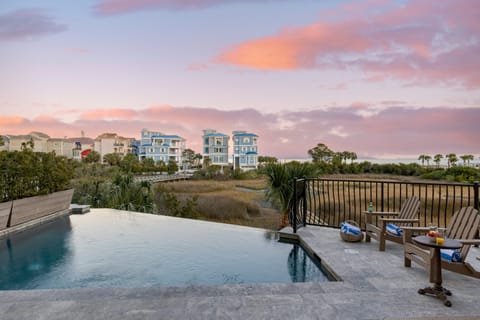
(329, 202)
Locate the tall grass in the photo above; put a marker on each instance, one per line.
(227, 202)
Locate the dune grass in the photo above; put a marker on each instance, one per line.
(236, 202)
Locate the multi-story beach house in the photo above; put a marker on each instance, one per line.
(82, 146)
(215, 147)
(161, 147)
(245, 150)
(112, 143)
(41, 143)
(61, 147)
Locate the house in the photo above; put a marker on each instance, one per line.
(112, 143)
(161, 147)
(16, 142)
(215, 147)
(61, 147)
(81, 147)
(245, 150)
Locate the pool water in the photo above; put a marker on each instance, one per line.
(111, 248)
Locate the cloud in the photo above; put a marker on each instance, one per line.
(113, 7)
(27, 24)
(419, 43)
(396, 130)
(197, 67)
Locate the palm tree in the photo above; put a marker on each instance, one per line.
(353, 156)
(207, 162)
(422, 158)
(451, 158)
(437, 158)
(428, 158)
(466, 159)
(280, 178)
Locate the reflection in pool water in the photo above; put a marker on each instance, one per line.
(109, 248)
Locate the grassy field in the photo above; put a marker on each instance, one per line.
(235, 202)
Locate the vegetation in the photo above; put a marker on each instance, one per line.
(221, 201)
(26, 173)
(280, 178)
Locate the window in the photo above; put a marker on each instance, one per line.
(246, 140)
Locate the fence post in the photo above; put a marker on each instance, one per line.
(383, 196)
(295, 206)
(475, 194)
(304, 197)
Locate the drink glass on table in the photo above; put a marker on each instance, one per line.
(440, 237)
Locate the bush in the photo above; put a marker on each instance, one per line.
(27, 173)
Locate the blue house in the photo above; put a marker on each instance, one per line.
(245, 150)
(215, 147)
(161, 147)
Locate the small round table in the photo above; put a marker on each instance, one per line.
(436, 267)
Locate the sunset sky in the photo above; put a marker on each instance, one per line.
(385, 79)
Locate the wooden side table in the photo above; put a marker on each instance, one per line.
(436, 267)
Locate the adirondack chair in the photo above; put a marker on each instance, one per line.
(463, 227)
(407, 216)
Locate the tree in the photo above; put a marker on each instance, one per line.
(321, 153)
(172, 167)
(353, 157)
(130, 163)
(92, 157)
(188, 157)
(422, 158)
(428, 158)
(280, 178)
(437, 159)
(452, 159)
(197, 159)
(1, 141)
(112, 159)
(148, 165)
(207, 162)
(30, 144)
(466, 159)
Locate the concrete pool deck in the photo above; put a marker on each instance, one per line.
(375, 286)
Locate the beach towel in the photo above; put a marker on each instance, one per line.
(450, 255)
(394, 230)
(350, 228)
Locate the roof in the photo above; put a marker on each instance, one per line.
(39, 134)
(166, 136)
(243, 134)
(82, 140)
(216, 134)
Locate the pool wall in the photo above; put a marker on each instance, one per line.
(287, 235)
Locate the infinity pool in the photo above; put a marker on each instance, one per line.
(111, 248)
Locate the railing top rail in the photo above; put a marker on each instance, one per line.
(393, 181)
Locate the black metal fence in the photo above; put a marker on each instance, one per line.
(329, 202)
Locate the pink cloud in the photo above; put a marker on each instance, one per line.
(111, 7)
(197, 67)
(422, 42)
(360, 105)
(397, 130)
(110, 114)
(27, 24)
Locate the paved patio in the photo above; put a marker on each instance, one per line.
(375, 286)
